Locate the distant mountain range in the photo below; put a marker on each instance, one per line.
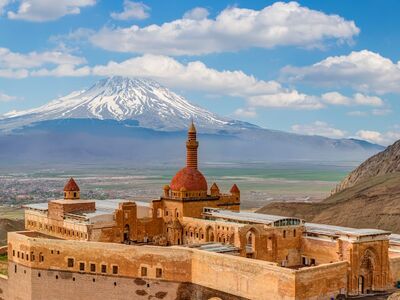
(138, 121)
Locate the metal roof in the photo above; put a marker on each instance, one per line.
(244, 216)
(339, 230)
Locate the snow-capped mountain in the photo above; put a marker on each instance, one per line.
(123, 98)
(125, 120)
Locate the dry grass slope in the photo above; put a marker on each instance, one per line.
(372, 203)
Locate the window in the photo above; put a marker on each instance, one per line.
(115, 269)
(22, 255)
(92, 267)
(166, 212)
(294, 233)
(158, 272)
(13, 252)
(81, 266)
(144, 271)
(74, 194)
(70, 262)
(103, 269)
(312, 262)
(284, 233)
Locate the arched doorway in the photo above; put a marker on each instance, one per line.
(366, 275)
(209, 234)
(361, 284)
(126, 233)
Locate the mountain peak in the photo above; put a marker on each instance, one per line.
(125, 98)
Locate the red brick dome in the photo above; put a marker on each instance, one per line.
(71, 186)
(190, 179)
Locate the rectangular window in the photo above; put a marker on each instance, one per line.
(312, 261)
(144, 271)
(158, 272)
(81, 266)
(103, 269)
(92, 268)
(115, 269)
(70, 262)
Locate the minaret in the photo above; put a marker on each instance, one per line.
(191, 148)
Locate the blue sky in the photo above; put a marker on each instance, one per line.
(311, 67)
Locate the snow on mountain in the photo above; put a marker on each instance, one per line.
(123, 98)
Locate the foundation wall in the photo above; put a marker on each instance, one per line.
(321, 282)
(394, 264)
(3, 287)
(248, 278)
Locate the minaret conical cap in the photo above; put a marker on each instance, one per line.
(192, 128)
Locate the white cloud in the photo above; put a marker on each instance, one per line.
(286, 99)
(197, 13)
(245, 112)
(132, 11)
(62, 71)
(377, 137)
(19, 65)
(47, 10)
(364, 71)
(336, 98)
(381, 112)
(14, 60)
(3, 4)
(319, 128)
(367, 100)
(7, 98)
(194, 75)
(280, 24)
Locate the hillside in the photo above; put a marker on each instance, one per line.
(8, 225)
(369, 197)
(385, 162)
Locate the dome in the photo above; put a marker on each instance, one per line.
(190, 179)
(71, 186)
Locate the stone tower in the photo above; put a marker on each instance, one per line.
(191, 147)
(71, 190)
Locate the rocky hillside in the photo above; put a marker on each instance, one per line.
(369, 197)
(385, 162)
(7, 225)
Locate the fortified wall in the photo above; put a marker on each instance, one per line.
(42, 268)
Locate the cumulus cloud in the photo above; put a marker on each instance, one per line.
(280, 24)
(194, 75)
(319, 128)
(6, 98)
(15, 60)
(336, 98)
(364, 71)
(132, 11)
(197, 13)
(286, 99)
(377, 137)
(47, 10)
(19, 65)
